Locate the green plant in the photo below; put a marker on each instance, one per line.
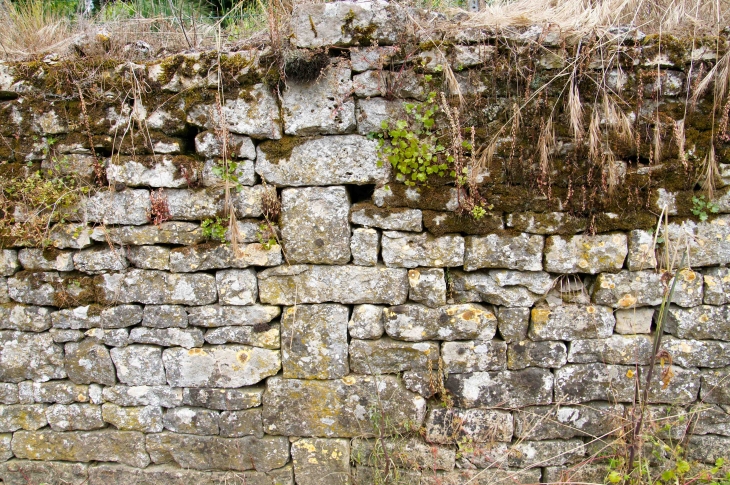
(227, 170)
(215, 228)
(701, 207)
(266, 236)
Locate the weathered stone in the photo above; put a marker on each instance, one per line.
(235, 424)
(158, 171)
(717, 286)
(114, 337)
(74, 417)
(409, 454)
(147, 419)
(219, 366)
(338, 408)
(634, 321)
(366, 322)
(95, 316)
(404, 249)
(646, 288)
(513, 323)
(224, 399)
(149, 257)
(374, 474)
(167, 337)
(585, 254)
(473, 356)
(22, 416)
(103, 474)
(216, 453)
(394, 219)
(217, 256)
(22, 472)
(165, 316)
(427, 286)
(451, 426)
(24, 318)
(370, 113)
(320, 461)
(29, 356)
(195, 205)
(9, 393)
(525, 353)
(6, 452)
(172, 232)
(192, 421)
(128, 207)
(236, 287)
(539, 453)
(34, 259)
(164, 396)
(595, 420)
(522, 252)
(324, 211)
(708, 449)
(616, 349)
(87, 362)
(642, 253)
(219, 316)
(537, 282)
(25, 392)
(581, 473)
(714, 386)
(342, 284)
(416, 322)
(711, 419)
(139, 365)
(546, 223)
(701, 322)
(260, 335)
(697, 353)
(403, 84)
(157, 287)
(365, 246)
(526, 387)
(423, 382)
(4, 296)
(365, 58)
(571, 322)
(707, 241)
(126, 447)
(481, 286)
(34, 288)
(315, 339)
(440, 223)
(207, 145)
(70, 236)
(8, 262)
(386, 356)
(400, 195)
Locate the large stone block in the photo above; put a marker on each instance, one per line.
(482, 286)
(406, 454)
(171, 232)
(701, 322)
(646, 288)
(61, 392)
(29, 417)
(521, 252)
(74, 417)
(387, 356)
(338, 408)
(366, 322)
(365, 246)
(216, 453)
(237, 287)
(717, 286)
(224, 399)
(616, 349)
(128, 207)
(595, 420)
(164, 396)
(486, 476)
(427, 286)
(526, 387)
(408, 250)
(217, 256)
(192, 421)
(139, 365)
(571, 322)
(415, 322)
(261, 335)
(126, 447)
(165, 316)
(147, 419)
(634, 321)
(697, 353)
(167, 337)
(208, 145)
(96, 316)
(24, 318)
(248, 422)
(158, 171)
(36, 259)
(30, 356)
(324, 212)
(708, 449)
(299, 283)
(452, 426)
(149, 257)
(321, 461)
(213, 316)
(527, 454)
(331, 160)
(157, 287)
(394, 219)
(709, 241)
(87, 362)
(473, 356)
(219, 366)
(437, 198)
(585, 254)
(9, 393)
(371, 112)
(314, 341)
(525, 353)
(35, 287)
(22, 472)
(172, 474)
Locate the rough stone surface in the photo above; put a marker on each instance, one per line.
(149, 257)
(74, 417)
(30, 356)
(21, 472)
(504, 388)
(160, 171)
(585, 254)
(408, 250)
(172, 232)
(427, 286)
(6, 452)
(636, 320)
(387, 356)
(320, 461)
(216, 256)
(522, 252)
(24, 318)
(708, 241)
(29, 417)
(449, 426)
(416, 322)
(408, 454)
(525, 353)
(513, 323)
(208, 145)
(147, 419)
(165, 316)
(9, 393)
(697, 353)
(218, 316)
(538, 453)
(128, 207)
(481, 286)
(617, 349)
(139, 365)
(595, 420)
(646, 288)
(365, 246)
(641, 251)
(87, 362)
(167, 397)
(8, 262)
(394, 219)
(714, 390)
(701, 322)
(61, 392)
(167, 337)
(261, 335)
(473, 356)
(546, 224)
(366, 322)
(224, 399)
(235, 424)
(104, 474)
(717, 286)
(236, 287)
(34, 259)
(192, 421)
(157, 288)
(571, 322)
(94, 316)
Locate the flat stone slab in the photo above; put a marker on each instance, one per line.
(646, 288)
(394, 219)
(521, 252)
(321, 461)
(704, 322)
(387, 356)
(571, 322)
(585, 254)
(409, 250)
(29, 356)
(157, 287)
(503, 388)
(414, 322)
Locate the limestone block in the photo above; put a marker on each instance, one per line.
(701, 322)
(513, 323)
(537, 282)
(29, 356)
(365, 246)
(164, 316)
(157, 287)
(24, 318)
(505, 388)
(423, 382)
(149, 257)
(337, 408)
(331, 160)
(371, 112)
(74, 417)
(709, 241)
(21, 472)
(697, 353)
(315, 341)
(260, 335)
(571, 322)
(402, 84)
(216, 453)
(126, 447)
(22, 416)
(636, 320)
(473, 356)
(585, 254)
(366, 322)
(6, 452)
(235, 424)
(158, 171)
(408, 250)
(212, 316)
(164, 396)
(236, 287)
(342, 284)
(708, 449)
(139, 365)
(594, 420)
(35, 259)
(387, 356)
(646, 288)
(550, 452)
(70, 236)
(415, 322)
(217, 256)
(224, 399)
(105, 474)
(436, 198)
(147, 419)
(450, 426)
(61, 392)
(546, 223)
(364, 58)
(717, 286)
(525, 353)
(324, 212)
(114, 337)
(9, 393)
(714, 389)
(407, 454)
(321, 461)
(427, 286)
(642, 253)
(168, 337)
(171, 232)
(522, 252)
(207, 145)
(394, 219)
(196, 205)
(128, 207)
(33, 287)
(616, 349)
(192, 421)
(711, 419)
(585, 473)
(87, 362)
(219, 366)
(96, 316)
(481, 286)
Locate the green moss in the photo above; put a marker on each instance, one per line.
(360, 35)
(276, 150)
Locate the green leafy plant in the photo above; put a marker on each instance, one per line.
(701, 207)
(227, 171)
(215, 228)
(266, 236)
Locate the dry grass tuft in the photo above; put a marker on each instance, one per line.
(29, 29)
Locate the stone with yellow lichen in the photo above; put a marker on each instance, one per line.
(697, 353)
(147, 419)
(630, 289)
(571, 322)
(717, 286)
(473, 356)
(508, 251)
(701, 322)
(409, 250)
(321, 461)
(387, 356)
(585, 254)
(427, 286)
(414, 322)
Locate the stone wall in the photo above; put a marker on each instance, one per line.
(503, 349)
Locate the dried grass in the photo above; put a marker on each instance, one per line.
(28, 29)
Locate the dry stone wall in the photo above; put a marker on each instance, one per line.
(504, 349)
